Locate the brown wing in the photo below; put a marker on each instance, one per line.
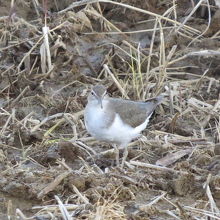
(134, 113)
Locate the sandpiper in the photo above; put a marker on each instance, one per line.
(115, 120)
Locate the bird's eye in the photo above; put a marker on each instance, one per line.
(92, 93)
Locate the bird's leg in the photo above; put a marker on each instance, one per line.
(125, 154)
(116, 154)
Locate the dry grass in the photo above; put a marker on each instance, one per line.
(173, 171)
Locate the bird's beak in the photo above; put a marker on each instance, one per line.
(100, 102)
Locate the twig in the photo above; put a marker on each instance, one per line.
(65, 213)
(76, 115)
(151, 166)
(116, 81)
(53, 184)
(26, 89)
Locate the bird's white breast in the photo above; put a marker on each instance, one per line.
(94, 119)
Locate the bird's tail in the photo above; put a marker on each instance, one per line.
(157, 100)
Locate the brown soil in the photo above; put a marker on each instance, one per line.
(49, 163)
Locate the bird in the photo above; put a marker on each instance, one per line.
(115, 120)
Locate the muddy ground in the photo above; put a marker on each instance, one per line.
(50, 167)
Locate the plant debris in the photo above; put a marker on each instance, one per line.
(53, 52)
